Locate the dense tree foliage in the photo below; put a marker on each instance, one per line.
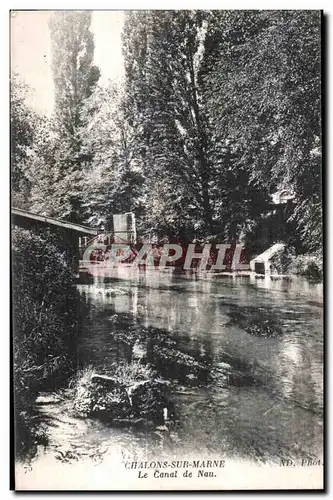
(22, 127)
(112, 182)
(264, 97)
(220, 104)
(218, 110)
(163, 52)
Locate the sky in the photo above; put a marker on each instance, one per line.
(31, 52)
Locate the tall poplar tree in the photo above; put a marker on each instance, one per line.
(74, 77)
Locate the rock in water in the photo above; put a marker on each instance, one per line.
(106, 398)
(179, 364)
(256, 321)
(103, 398)
(149, 398)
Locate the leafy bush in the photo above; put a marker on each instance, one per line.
(308, 265)
(45, 321)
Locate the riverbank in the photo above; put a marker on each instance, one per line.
(46, 318)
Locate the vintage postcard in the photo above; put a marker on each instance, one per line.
(167, 252)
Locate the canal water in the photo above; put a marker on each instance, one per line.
(274, 411)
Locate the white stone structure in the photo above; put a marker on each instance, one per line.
(262, 263)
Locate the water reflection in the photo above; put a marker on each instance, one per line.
(272, 404)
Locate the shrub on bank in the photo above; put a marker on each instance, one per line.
(308, 265)
(45, 319)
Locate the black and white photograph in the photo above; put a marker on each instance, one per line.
(167, 249)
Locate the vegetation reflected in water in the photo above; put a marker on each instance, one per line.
(261, 395)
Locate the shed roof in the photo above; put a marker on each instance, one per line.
(54, 222)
